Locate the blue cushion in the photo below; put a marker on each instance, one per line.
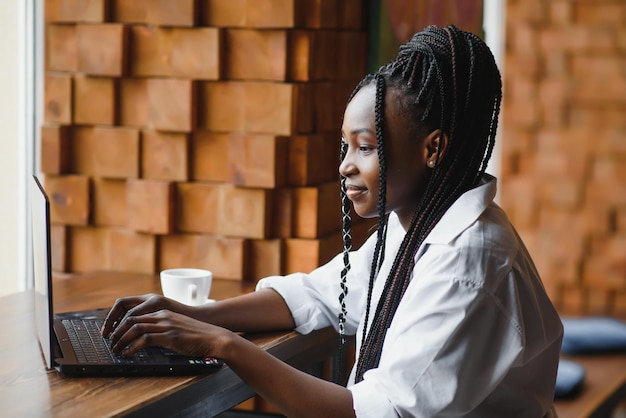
(593, 335)
(569, 379)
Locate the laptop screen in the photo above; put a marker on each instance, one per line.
(40, 212)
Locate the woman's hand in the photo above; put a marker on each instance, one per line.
(153, 320)
(140, 321)
(167, 329)
(137, 305)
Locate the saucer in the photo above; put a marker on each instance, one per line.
(209, 301)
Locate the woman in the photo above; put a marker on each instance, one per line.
(450, 314)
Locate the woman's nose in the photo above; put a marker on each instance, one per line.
(346, 167)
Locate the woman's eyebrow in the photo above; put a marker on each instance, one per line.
(358, 131)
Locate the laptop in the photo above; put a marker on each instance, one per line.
(71, 342)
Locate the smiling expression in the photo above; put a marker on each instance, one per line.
(406, 158)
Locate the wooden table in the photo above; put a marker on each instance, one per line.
(604, 387)
(28, 389)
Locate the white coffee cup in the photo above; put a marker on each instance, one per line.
(187, 285)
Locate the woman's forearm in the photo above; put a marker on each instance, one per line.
(264, 310)
(294, 393)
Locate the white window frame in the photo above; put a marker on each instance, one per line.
(494, 23)
(31, 68)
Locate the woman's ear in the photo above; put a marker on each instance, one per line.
(436, 144)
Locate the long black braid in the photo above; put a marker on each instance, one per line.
(447, 80)
(379, 250)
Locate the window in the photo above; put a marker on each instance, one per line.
(21, 51)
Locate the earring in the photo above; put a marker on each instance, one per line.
(431, 163)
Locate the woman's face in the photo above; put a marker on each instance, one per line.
(406, 158)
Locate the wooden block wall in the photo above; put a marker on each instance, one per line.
(564, 147)
(199, 133)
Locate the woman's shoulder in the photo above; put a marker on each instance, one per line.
(480, 253)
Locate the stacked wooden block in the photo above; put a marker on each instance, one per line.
(564, 147)
(197, 132)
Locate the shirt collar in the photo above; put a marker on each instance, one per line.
(464, 211)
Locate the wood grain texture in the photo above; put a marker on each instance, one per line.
(604, 387)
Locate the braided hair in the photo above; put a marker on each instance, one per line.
(447, 79)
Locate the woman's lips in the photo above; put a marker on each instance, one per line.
(354, 192)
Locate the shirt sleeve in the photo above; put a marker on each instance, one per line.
(449, 347)
(313, 298)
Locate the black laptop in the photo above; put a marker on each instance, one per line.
(71, 342)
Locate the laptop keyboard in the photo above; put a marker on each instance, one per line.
(91, 347)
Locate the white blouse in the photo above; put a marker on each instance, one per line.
(475, 334)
